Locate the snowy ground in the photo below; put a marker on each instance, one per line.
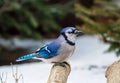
(88, 63)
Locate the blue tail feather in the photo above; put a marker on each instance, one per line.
(25, 57)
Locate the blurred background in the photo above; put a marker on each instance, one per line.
(24, 23)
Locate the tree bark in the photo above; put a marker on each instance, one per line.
(59, 73)
(113, 73)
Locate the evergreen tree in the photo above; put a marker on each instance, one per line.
(103, 17)
(27, 17)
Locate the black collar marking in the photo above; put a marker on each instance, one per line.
(69, 42)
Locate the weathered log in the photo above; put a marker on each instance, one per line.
(59, 73)
(113, 73)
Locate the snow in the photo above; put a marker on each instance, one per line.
(15, 43)
(89, 63)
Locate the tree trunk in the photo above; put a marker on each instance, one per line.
(59, 73)
(113, 73)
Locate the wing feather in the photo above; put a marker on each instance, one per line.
(49, 51)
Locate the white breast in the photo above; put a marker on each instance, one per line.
(66, 50)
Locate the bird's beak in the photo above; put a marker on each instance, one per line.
(79, 33)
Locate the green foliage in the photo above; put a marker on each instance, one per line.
(102, 18)
(31, 18)
(27, 17)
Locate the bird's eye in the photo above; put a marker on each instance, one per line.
(70, 32)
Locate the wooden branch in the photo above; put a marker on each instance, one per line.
(113, 73)
(59, 73)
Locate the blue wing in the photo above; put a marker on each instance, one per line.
(46, 52)
(49, 50)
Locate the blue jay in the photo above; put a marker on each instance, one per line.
(57, 51)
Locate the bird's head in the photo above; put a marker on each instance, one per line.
(71, 33)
